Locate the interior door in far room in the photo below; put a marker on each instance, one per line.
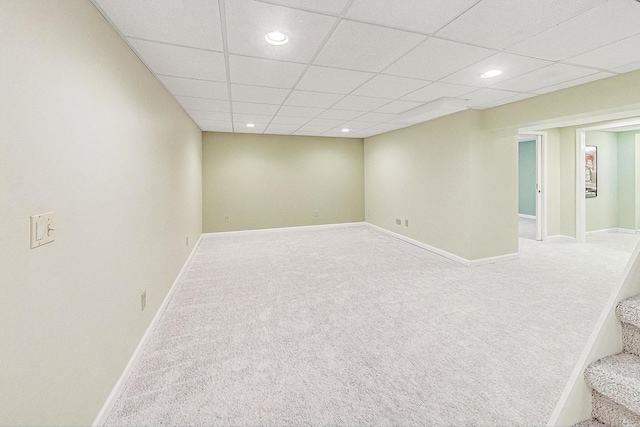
(529, 190)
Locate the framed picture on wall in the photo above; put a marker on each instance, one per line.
(591, 171)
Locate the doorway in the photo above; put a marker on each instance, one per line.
(531, 149)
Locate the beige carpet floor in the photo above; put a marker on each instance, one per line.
(349, 326)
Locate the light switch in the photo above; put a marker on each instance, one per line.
(42, 229)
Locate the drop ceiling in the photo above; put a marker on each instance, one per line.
(367, 65)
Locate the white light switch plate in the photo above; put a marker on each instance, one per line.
(42, 229)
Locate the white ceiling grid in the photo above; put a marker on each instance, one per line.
(363, 64)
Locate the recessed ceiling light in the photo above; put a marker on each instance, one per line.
(276, 38)
(345, 130)
(491, 73)
(250, 125)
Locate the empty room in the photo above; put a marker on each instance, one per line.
(320, 212)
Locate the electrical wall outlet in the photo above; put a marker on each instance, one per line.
(226, 218)
(187, 240)
(143, 300)
(398, 221)
(406, 222)
(315, 214)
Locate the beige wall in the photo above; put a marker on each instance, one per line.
(601, 212)
(267, 181)
(89, 133)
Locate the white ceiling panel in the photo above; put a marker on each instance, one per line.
(486, 96)
(360, 103)
(251, 118)
(357, 125)
(248, 21)
(194, 23)
(328, 6)
(508, 100)
(439, 90)
(510, 65)
(498, 24)
(414, 15)
(259, 94)
(214, 126)
(390, 87)
(574, 82)
(397, 107)
(544, 77)
(209, 115)
(627, 68)
(377, 117)
(312, 99)
(197, 88)
(345, 115)
(611, 21)
(437, 58)
(327, 122)
(178, 61)
(203, 104)
(291, 111)
(251, 108)
(610, 57)
(264, 72)
(286, 120)
(281, 129)
(332, 80)
(365, 47)
(256, 128)
(316, 131)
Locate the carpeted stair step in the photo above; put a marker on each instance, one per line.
(628, 312)
(589, 423)
(615, 388)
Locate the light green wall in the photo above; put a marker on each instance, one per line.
(567, 184)
(553, 183)
(602, 211)
(267, 181)
(527, 177)
(626, 166)
(89, 133)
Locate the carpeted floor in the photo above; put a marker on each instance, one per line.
(527, 228)
(350, 326)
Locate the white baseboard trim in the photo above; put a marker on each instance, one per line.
(527, 216)
(101, 418)
(604, 230)
(627, 231)
(561, 237)
(494, 260)
(299, 227)
(448, 255)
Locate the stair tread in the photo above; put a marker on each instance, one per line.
(618, 378)
(628, 311)
(589, 423)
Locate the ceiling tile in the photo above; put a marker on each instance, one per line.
(485, 96)
(329, 123)
(249, 21)
(510, 64)
(251, 118)
(251, 108)
(612, 56)
(391, 87)
(285, 120)
(508, 100)
(365, 47)
(575, 82)
(413, 15)
(357, 125)
(377, 117)
(438, 90)
(437, 58)
(544, 77)
(611, 21)
(198, 88)
(329, 6)
(209, 115)
(627, 68)
(178, 61)
(315, 129)
(291, 111)
(259, 94)
(332, 80)
(360, 103)
(312, 99)
(498, 24)
(214, 126)
(335, 114)
(203, 104)
(281, 129)
(397, 107)
(308, 132)
(241, 127)
(195, 23)
(264, 72)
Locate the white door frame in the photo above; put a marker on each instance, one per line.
(541, 182)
